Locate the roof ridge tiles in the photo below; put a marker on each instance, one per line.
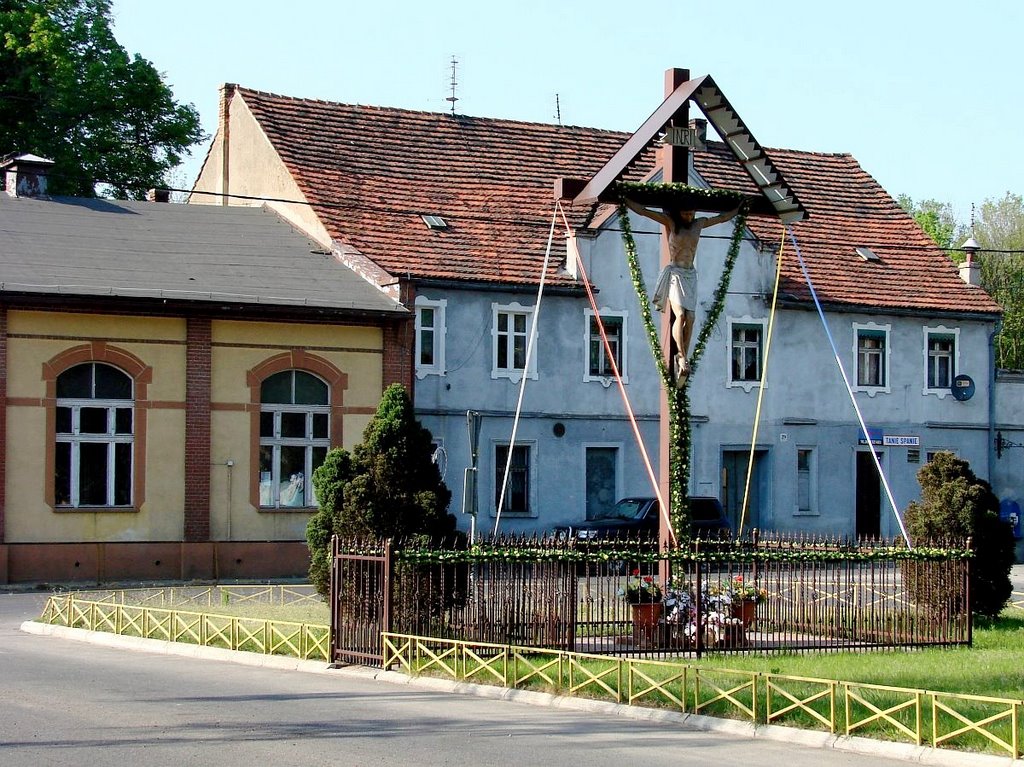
(432, 113)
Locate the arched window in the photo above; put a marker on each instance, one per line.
(295, 435)
(95, 435)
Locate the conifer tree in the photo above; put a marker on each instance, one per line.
(388, 487)
(955, 504)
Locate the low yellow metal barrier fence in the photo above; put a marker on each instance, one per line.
(270, 637)
(207, 596)
(892, 713)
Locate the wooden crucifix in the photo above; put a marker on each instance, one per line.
(675, 168)
(774, 197)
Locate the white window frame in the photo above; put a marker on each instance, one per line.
(886, 332)
(76, 438)
(606, 381)
(812, 483)
(497, 472)
(276, 442)
(439, 330)
(749, 322)
(940, 330)
(513, 374)
(929, 454)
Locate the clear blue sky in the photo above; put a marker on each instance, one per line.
(928, 96)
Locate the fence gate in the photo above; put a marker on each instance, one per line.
(360, 603)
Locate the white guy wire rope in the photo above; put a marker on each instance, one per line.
(760, 389)
(526, 370)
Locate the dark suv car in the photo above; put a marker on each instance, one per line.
(638, 518)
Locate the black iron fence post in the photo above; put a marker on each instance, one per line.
(698, 600)
(386, 623)
(333, 592)
(967, 596)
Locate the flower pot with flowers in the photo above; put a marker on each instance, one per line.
(643, 594)
(679, 613)
(708, 621)
(740, 599)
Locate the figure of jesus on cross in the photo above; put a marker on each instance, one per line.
(677, 283)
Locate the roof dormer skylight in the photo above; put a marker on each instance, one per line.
(434, 222)
(867, 254)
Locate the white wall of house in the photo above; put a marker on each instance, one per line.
(563, 415)
(809, 438)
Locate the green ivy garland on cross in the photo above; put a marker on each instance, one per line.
(678, 397)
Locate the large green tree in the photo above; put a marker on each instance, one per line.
(999, 230)
(999, 223)
(388, 487)
(938, 221)
(71, 93)
(998, 227)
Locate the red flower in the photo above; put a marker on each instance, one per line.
(636, 571)
(648, 579)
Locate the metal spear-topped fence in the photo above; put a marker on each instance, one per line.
(762, 594)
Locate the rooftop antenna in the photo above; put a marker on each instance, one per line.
(558, 110)
(971, 246)
(453, 98)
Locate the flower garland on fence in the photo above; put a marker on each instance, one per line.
(678, 397)
(483, 554)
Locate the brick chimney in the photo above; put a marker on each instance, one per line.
(25, 174)
(227, 94)
(158, 195)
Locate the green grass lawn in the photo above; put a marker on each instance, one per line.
(303, 612)
(993, 666)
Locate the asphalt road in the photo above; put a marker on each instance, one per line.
(68, 702)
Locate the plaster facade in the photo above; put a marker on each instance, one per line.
(806, 416)
(43, 540)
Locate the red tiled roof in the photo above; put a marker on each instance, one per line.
(849, 209)
(491, 180)
(371, 172)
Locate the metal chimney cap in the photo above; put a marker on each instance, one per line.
(971, 245)
(12, 158)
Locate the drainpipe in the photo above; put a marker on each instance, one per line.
(992, 401)
(970, 272)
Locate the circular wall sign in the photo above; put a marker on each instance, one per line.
(963, 388)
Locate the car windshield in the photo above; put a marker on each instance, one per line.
(704, 511)
(627, 510)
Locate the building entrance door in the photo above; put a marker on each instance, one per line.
(869, 496)
(734, 480)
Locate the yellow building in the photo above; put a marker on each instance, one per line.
(172, 375)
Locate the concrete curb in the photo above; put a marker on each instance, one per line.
(734, 727)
